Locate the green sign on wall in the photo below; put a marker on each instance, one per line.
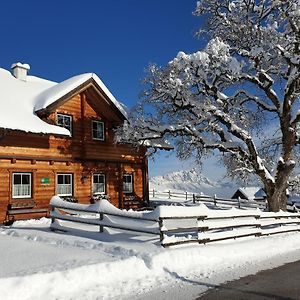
(45, 180)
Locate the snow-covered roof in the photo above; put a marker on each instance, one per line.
(20, 100)
(59, 90)
(252, 193)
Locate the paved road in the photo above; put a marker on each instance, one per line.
(281, 283)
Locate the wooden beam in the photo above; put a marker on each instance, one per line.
(145, 180)
(82, 117)
(120, 184)
(72, 160)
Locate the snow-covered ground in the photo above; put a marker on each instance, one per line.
(37, 263)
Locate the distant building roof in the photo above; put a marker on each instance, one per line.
(252, 193)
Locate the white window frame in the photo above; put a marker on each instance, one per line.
(21, 185)
(63, 125)
(103, 130)
(131, 186)
(71, 184)
(104, 184)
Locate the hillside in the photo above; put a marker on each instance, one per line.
(192, 181)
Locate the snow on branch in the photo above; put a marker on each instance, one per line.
(246, 96)
(266, 87)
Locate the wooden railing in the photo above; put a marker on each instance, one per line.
(170, 194)
(73, 213)
(211, 226)
(223, 227)
(213, 200)
(238, 203)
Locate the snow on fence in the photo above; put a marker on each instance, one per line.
(239, 203)
(176, 225)
(102, 214)
(216, 201)
(227, 224)
(171, 195)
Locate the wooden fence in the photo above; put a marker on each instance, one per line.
(212, 226)
(104, 219)
(223, 227)
(238, 203)
(216, 201)
(171, 194)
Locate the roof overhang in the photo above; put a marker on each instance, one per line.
(89, 83)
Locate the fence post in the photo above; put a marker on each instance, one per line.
(153, 193)
(258, 226)
(185, 195)
(194, 200)
(215, 200)
(169, 194)
(161, 235)
(239, 202)
(52, 218)
(198, 229)
(101, 219)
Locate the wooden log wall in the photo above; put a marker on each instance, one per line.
(45, 155)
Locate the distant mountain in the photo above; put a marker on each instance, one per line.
(192, 181)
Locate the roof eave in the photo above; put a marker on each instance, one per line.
(80, 88)
(32, 132)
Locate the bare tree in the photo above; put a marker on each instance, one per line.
(239, 95)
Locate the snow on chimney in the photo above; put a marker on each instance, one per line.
(20, 70)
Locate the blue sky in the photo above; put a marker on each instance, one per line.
(113, 38)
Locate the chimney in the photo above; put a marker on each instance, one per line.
(20, 70)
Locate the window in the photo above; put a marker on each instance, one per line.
(21, 185)
(65, 121)
(127, 183)
(98, 184)
(98, 130)
(64, 185)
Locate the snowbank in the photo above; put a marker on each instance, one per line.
(129, 267)
(102, 206)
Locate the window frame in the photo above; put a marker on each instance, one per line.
(71, 183)
(65, 116)
(103, 130)
(104, 184)
(30, 185)
(132, 187)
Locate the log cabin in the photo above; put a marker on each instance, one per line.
(58, 139)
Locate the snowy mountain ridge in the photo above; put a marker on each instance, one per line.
(192, 181)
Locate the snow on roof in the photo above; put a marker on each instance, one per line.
(20, 100)
(252, 192)
(54, 93)
(18, 64)
(17, 100)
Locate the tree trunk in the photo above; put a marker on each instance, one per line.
(277, 201)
